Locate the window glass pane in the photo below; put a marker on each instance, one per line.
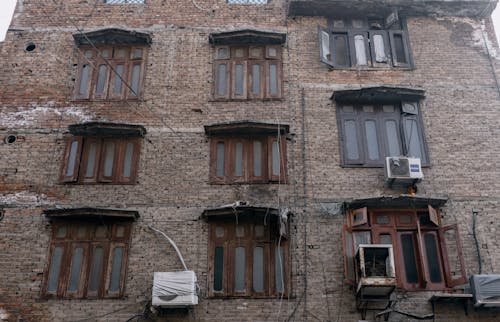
(391, 130)
(359, 46)
(238, 160)
(61, 231)
(357, 23)
(96, 269)
(120, 231)
(218, 268)
(412, 138)
(256, 79)
(371, 140)
(127, 162)
(117, 86)
(101, 79)
(109, 156)
(279, 270)
(340, 51)
(259, 231)
(221, 79)
(257, 158)
(91, 158)
(70, 170)
(84, 78)
(410, 263)
(222, 53)
(76, 267)
(273, 78)
(272, 52)
(239, 231)
(431, 253)
(219, 231)
(239, 52)
(238, 90)
(276, 158)
(88, 54)
(399, 48)
(351, 138)
(368, 109)
(361, 237)
(348, 109)
(388, 108)
(405, 219)
(258, 269)
(121, 53)
(382, 219)
(239, 269)
(101, 231)
(137, 53)
(255, 52)
(104, 53)
(116, 268)
(55, 268)
(385, 239)
(379, 48)
(136, 72)
(81, 232)
(219, 171)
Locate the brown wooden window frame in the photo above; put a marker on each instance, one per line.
(87, 242)
(246, 57)
(229, 241)
(91, 61)
(396, 54)
(379, 118)
(422, 224)
(268, 174)
(76, 159)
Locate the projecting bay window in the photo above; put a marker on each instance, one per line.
(248, 258)
(87, 259)
(365, 43)
(97, 154)
(428, 256)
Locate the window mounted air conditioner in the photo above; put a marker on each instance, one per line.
(174, 289)
(485, 290)
(403, 168)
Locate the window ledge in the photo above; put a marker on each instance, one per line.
(219, 100)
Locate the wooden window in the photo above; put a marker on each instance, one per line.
(92, 159)
(364, 43)
(87, 259)
(369, 133)
(110, 73)
(248, 159)
(248, 259)
(422, 247)
(247, 72)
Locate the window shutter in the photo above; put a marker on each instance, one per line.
(399, 49)
(348, 255)
(359, 216)
(422, 263)
(72, 159)
(325, 50)
(433, 215)
(379, 48)
(239, 79)
(451, 249)
(413, 138)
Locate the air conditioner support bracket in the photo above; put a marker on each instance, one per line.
(450, 297)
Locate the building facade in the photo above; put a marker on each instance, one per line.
(254, 135)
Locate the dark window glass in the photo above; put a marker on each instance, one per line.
(116, 267)
(399, 48)
(55, 268)
(341, 53)
(76, 267)
(431, 252)
(239, 269)
(410, 263)
(218, 268)
(96, 269)
(258, 269)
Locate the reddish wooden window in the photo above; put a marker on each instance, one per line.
(100, 160)
(247, 72)
(87, 260)
(247, 259)
(427, 256)
(110, 73)
(248, 159)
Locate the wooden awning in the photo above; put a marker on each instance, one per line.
(247, 37)
(379, 94)
(91, 213)
(112, 36)
(397, 202)
(107, 129)
(245, 127)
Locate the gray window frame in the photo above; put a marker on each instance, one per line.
(359, 117)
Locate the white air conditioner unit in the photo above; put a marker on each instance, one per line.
(174, 289)
(486, 290)
(403, 168)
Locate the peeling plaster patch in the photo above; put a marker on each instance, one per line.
(4, 316)
(24, 197)
(36, 113)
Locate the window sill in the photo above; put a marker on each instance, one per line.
(385, 69)
(372, 166)
(218, 100)
(220, 183)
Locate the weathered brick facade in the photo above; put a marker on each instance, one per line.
(456, 61)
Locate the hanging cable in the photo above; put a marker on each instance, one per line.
(479, 260)
(171, 243)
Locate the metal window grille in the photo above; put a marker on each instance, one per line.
(247, 1)
(124, 1)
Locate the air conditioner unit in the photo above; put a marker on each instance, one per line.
(174, 289)
(486, 290)
(403, 168)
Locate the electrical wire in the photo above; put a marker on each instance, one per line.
(474, 234)
(171, 243)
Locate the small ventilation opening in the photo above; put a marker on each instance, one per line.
(9, 139)
(30, 47)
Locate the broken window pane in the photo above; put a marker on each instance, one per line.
(218, 268)
(239, 269)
